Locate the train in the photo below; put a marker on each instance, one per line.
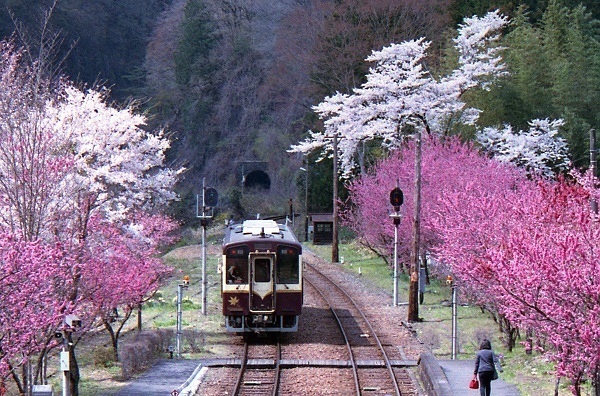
(261, 278)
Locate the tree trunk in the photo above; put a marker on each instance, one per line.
(596, 383)
(15, 377)
(73, 372)
(335, 255)
(113, 340)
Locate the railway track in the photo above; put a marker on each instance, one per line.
(316, 360)
(259, 370)
(372, 369)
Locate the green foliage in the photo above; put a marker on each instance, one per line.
(554, 67)
(167, 323)
(192, 57)
(320, 185)
(536, 8)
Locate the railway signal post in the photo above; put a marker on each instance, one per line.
(210, 198)
(396, 199)
(450, 282)
(180, 287)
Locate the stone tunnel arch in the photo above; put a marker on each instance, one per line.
(257, 180)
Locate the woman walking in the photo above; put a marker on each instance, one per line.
(485, 367)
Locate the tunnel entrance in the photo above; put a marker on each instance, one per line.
(257, 180)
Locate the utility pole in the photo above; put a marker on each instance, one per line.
(413, 291)
(593, 166)
(335, 254)
(180, 287)
(305, 170)
(454, 322)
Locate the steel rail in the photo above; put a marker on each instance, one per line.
(237, 389)
(240, 378)
(341, 327)
(367, 322)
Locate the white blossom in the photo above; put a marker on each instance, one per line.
(539, 150)
(400, 92)
(114, 157)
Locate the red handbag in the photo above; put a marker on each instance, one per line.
(474, 384)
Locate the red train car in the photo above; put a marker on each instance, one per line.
(261, 278)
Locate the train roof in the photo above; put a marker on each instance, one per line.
(258, 229)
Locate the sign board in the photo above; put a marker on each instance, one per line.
(64, 360)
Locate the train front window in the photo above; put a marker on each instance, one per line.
(262, 270)
(236, 266)
(288, 266)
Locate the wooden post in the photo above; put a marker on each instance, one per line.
(413, 292)
(593, 166)
(335, 255)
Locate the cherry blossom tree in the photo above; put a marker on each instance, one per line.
(72, 167)
(539, 150)
(537, 262)
(119, 278)
(521, 247)
(508, 237)
(400, 93)
(31, 276)
(444, 162)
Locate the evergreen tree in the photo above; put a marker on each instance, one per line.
(570, 41)
(554, 72)
(192, 57)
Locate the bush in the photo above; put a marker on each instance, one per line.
(140, 353)
(166, 338)
(195, 340)
(188, 304)
(103, 356)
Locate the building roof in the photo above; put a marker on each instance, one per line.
(322, 217)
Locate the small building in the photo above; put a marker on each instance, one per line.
(322, 226)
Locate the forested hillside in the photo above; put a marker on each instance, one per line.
(235, 80)
(102, 40)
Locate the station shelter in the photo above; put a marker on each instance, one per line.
(322, 228)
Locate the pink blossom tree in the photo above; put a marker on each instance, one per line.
(31, 276)
(127, 273)
(72, 167)
(523, 248)
(537, 263)
(444, 169)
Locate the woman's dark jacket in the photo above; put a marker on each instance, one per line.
(485, 361)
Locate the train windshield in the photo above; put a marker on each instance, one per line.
(237, 265)
(288, 266)
(262, 270)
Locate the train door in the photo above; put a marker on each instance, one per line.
(262, 286)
